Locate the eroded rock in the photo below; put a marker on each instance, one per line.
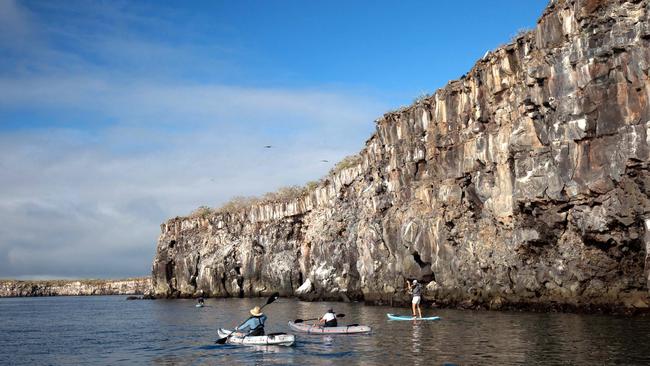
(524, 182)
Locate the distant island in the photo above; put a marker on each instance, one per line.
(86, 287)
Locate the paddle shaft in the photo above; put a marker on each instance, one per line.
(306, 320)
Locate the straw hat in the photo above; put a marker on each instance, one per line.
(256, 311)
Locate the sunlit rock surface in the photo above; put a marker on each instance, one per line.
(130, 286)
(523, 183)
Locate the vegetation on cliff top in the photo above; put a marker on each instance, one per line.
(283, 194)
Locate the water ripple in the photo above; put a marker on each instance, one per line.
(112, 331)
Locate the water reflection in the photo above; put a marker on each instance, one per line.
(416, 346)
(110, 331)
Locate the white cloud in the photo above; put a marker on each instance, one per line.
(115, 154)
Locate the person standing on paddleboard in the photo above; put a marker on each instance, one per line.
(416, 291)
(329, 319)
(254, 326)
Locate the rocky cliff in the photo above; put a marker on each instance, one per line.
(131, 286)
(524, 182)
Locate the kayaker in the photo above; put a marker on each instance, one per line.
(254, 326)
(329, 319)
(416, 291)
(201, 301)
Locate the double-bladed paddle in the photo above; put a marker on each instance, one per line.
(272, 298)
(306, 320)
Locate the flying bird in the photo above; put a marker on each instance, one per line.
(268, 146)
(324, 161)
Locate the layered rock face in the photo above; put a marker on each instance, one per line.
(524, 182)
(131, 286)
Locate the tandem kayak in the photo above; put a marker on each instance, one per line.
(409, 317)
(275, 339)
(317, 329)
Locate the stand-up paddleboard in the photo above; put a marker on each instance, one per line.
(409, 317)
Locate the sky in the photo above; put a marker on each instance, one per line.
(116, 115)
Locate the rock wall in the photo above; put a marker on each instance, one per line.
(131, 286)
(523, 183)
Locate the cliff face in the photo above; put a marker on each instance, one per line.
(524, 182)
(131, 286)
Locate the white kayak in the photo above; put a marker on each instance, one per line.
(199, 305)
(317, 329)
(276, 339)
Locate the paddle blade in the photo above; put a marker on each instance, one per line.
(298, 321)
(273, 297)
(221, 340)
(340, 315)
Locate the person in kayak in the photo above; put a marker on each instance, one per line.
(329, 319)
(253, 326)
(201, 301)
(416, 291)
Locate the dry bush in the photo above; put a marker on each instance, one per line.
(284, 194)
(521, 32)
(237, 204)
(347, 162)
(312, 185)
(203, 212)
(421, 98)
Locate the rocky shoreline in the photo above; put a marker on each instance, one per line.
(86, 287)
(524, 184)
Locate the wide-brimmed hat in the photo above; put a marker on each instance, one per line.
(415, 282)
(330, 310)
(256, 311)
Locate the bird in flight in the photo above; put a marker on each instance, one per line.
(324, 161)
(268, 146)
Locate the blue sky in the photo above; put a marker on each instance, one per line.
(115, 116)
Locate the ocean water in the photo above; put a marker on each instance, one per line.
(109, 330)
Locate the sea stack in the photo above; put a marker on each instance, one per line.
(523, 183)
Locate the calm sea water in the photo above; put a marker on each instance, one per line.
(111, 331)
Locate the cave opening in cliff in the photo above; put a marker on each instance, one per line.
(602, 245)
(419, 261)
(223, 284)
(172, 243)
(240, 284)
(169, 271)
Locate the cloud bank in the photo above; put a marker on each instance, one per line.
(103, 137)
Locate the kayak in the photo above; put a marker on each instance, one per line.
(199, 305)
(317, 329)
(275, 339)
(409, 317)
